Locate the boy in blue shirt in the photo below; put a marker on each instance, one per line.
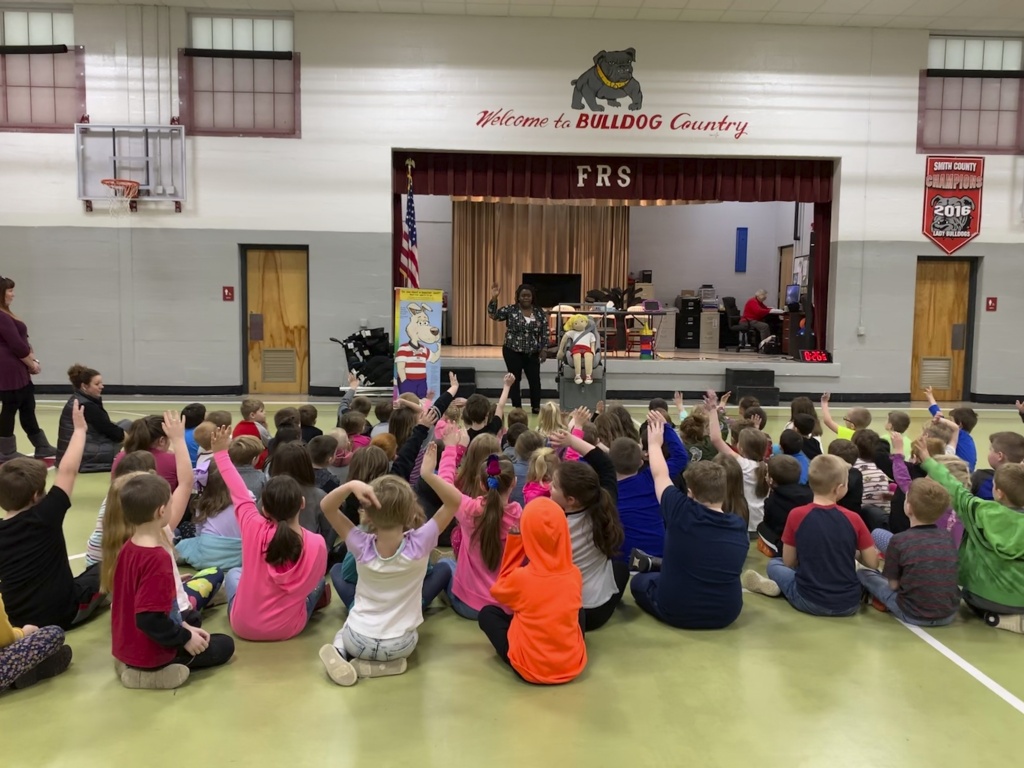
(816, 572)
(704, 550)
(966, 419)
(193, 415)
(792, 444)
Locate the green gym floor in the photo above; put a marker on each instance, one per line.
(775, 689)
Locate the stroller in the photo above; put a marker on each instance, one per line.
(570, 394)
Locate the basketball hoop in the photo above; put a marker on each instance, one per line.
(122, 193)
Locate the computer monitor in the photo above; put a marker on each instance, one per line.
(792, 295)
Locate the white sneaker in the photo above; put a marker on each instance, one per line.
(338, 668)
(765, 341)
(578, 380)
(752, 581)
(366, 668)
(1011, 623)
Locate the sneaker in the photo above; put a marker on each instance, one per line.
(366, 668)
(578, 380)
(765, 548)
(119, 667)
(1011, 623)
(48, 667)
(640, 561)
(765, 341)
(588, 380)
(163, 679)
(753, 581)
(338, 668)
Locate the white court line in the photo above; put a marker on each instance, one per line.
(969, 668)
(79, 556)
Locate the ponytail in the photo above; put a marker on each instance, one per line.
(542, 465)
(498, 476)
(578, 480)
(735, 499)
(761, 476)
(282, 502)
(753, 446)
(285, 547)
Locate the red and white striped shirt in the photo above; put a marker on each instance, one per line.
(415, 359)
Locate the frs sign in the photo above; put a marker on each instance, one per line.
(952, 200)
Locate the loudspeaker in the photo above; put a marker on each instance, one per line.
(466, 376)
(764, 395)
(746, 377)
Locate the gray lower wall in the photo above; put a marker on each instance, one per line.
(144, 306)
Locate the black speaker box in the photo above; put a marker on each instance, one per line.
(746, 377)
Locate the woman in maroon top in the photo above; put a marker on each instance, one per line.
(755, 312)
(18, 364)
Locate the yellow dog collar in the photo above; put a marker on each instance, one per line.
(610, 83)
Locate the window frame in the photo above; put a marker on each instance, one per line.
(966, 74)
(80, 86)
(186, 93)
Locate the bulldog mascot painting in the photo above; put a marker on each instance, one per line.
(421, 345)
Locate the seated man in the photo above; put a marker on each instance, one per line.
(756, 313)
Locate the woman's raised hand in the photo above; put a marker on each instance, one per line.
(495, 290)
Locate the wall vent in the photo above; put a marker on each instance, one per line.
(936, 372)
(279, 366)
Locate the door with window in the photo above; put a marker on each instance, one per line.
(277, 320)
(941, 320)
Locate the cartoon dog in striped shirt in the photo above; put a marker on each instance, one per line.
(413, 356)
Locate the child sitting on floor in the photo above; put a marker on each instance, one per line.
(917, 584)
(550, 419)
(526, 447)
(354, 424)
(193, 415)
(147, 434)
(512, 417)
(203, 435)
(786, 494)
(752, 445)
(898, 422)
(542, 640)
(1004, 448)
(855, 418)
(847, 451)
(218, 539)
(276, 592)
(699, 583)
(539, 474)
(816, 572)
(307, 423)
(966, 419)
(476, 414)
(803, 425)
(792, 444)
(35, 576)
(153, 644)
(991, 568)
(877, 496)
(638, 505)
(382, 412)
(322, 449)
(391, 561)
(508, 440)
(386, 443)
(137, 461)
(29, 654)
(244, 453)
(254, 421)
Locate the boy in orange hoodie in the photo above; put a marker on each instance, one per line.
(542, 640)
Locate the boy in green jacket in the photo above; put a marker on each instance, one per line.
(991, 568)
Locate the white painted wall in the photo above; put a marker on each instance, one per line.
(374, 82)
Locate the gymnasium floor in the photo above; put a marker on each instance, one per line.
(776, 689)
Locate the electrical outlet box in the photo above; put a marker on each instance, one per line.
(861, 330)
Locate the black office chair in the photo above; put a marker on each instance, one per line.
(737, 325)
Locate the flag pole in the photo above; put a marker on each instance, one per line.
(410, 164)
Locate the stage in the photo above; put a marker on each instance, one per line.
(686, 370)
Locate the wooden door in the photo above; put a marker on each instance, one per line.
(785, 272)
(941, 314)
(277, 321)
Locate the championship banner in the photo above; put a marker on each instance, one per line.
(952, 201)
(417, 341)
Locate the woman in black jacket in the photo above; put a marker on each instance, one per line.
(104, 437)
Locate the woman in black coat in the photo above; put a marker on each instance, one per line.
(104, 437)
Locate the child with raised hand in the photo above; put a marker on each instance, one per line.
(29, 653)
(542, 640)
(391, 560)
(35, 577)
(752, 446)
(275, 593)
(153, 643)
(587, 491)
(637, 502)
(699, 583)
(917, 585)
(193, 595)
(476, 415)
(991, 569)
(485, 513)
(218, 539)
(855, 418)
(816, 572)
(965, 420)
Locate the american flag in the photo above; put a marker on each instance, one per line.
(408, 262)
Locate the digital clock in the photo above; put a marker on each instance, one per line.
(815, 356)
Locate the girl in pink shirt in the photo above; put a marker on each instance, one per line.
(539, 473)
(485, 521)
(282, 576)
(147, 434)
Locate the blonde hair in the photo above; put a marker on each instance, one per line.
(550, 419)
(826, 473)
(116, 530)
(957, 468)
(542, 466)
(203, 435)
(397, 503)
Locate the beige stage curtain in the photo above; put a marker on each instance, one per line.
(498, 242)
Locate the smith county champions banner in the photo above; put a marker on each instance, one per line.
(952, 200)
(417, 341)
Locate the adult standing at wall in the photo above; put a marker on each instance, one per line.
(103, 438)
(18, 364)
(526, 341)
(756, 313)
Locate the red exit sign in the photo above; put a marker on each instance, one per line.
(991, 304)
(229, 293)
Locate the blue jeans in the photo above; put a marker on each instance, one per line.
(878, 586)
(785, 577)
(437, 580)
(235, 576)
(353, 645)
(458, 606)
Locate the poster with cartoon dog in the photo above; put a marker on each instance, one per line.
(417, 341)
